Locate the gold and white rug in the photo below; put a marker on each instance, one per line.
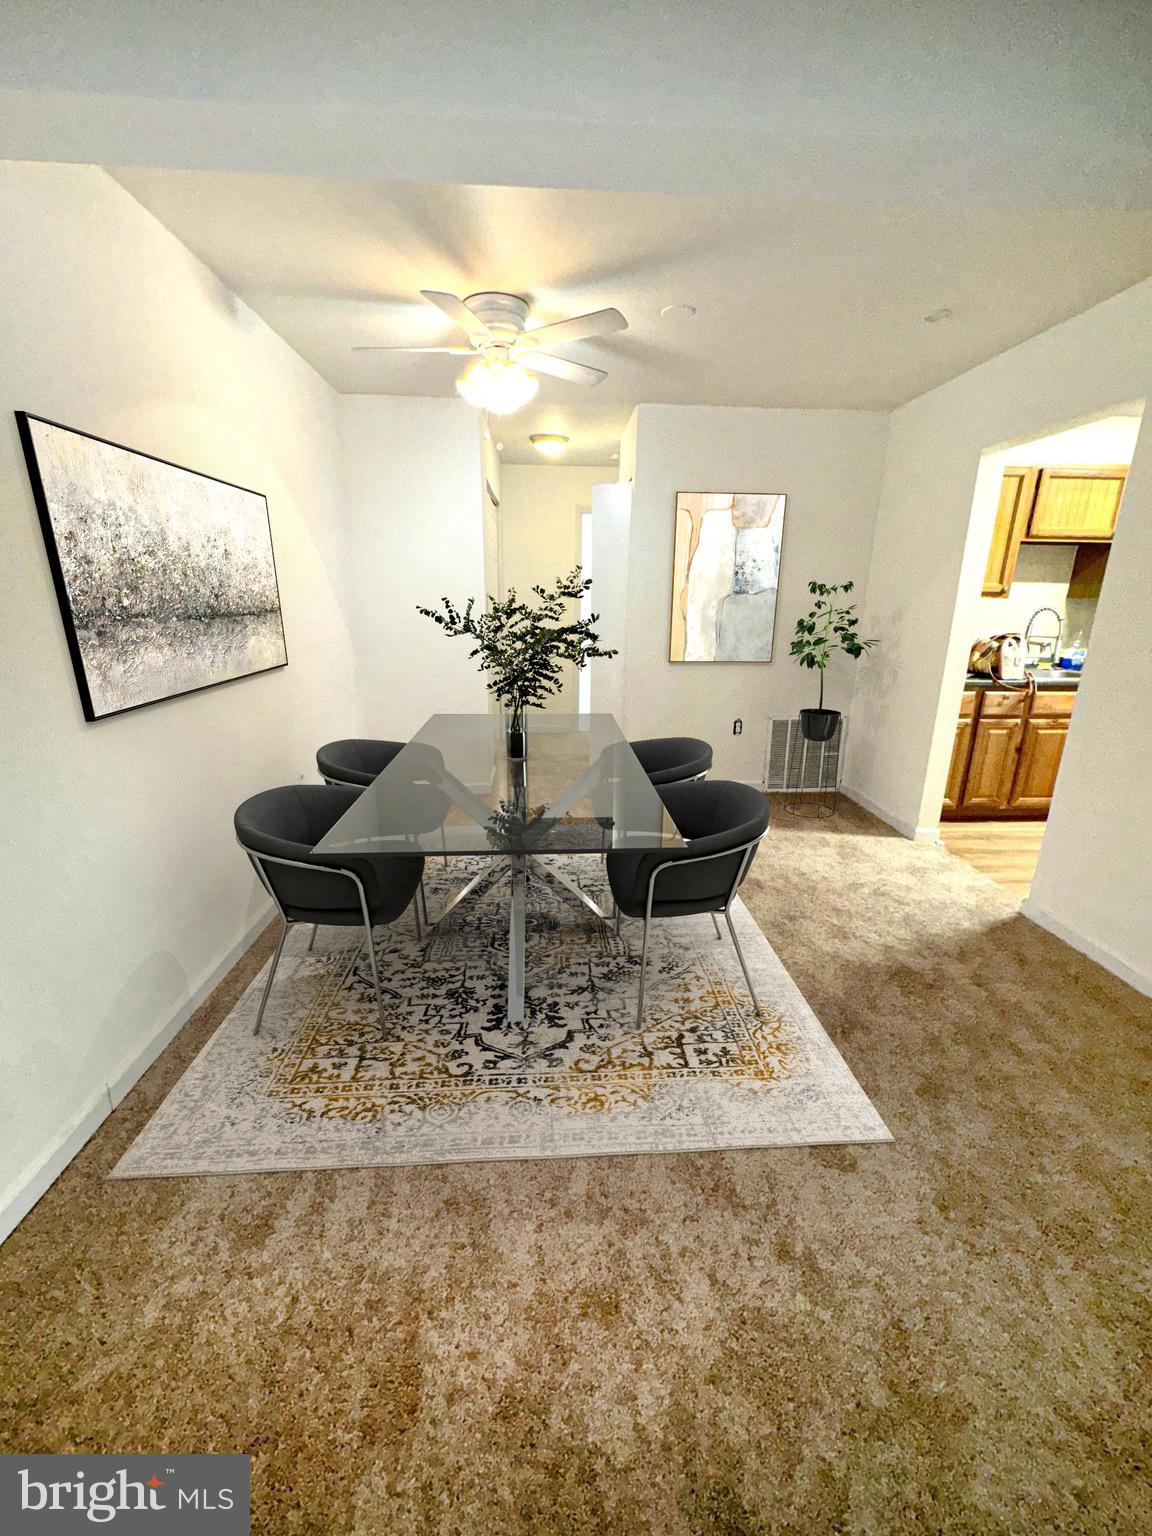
(450, 1080)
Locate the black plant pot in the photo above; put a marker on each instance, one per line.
(819, 724)
(517, 744)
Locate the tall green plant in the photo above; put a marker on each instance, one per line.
(521, 646)
(829, 627)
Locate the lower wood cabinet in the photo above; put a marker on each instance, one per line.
(992, 765)
(1007, 753)
(1041, 748)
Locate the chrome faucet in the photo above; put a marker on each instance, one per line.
(1044, 640)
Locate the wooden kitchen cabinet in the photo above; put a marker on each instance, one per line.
(992, 766)
(961, 751)
(1074, 504)
(1007, 753)
(1041, 748)
(1017, 494)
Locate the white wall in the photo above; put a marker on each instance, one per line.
(541, 506)
(829, 463)
(415, 517)
(124, 893)
(1094, 881)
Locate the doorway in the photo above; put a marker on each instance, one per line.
(1057, 500)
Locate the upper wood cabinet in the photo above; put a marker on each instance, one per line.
(1074, 504)
(1017, 494)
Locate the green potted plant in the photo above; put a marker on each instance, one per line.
(829, 627)
(522, 646)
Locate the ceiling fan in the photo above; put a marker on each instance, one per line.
(507, 355)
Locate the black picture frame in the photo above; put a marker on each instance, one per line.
(41, 498)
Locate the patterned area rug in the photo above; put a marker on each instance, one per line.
(450, 1080)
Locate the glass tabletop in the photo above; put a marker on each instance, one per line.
(453, 789)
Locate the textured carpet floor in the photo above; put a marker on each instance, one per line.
(946, 1334)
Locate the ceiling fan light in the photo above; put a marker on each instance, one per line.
(499, 387)
(553, 445)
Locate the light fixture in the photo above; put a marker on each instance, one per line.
(677, 311)
(551, 444)
(934, 316)
(497, 384)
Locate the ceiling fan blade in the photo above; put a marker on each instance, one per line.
(450, 351)
(561, 368)
(599, 323)
(456, 310)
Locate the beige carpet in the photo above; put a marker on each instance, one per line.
(942, 1335)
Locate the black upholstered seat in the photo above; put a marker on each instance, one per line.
(279, 829)
(670, 759)
(357, 760)
(722, 822)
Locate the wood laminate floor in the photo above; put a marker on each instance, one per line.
(1005, 850)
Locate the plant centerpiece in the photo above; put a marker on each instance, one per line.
(828, 628)
(522, 645)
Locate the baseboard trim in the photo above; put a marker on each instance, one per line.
(906, 828)
(28, 1187)
(1119, 968)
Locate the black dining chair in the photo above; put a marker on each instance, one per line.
(278, 830)
(356, 760)
(722, 823)
(673, 759)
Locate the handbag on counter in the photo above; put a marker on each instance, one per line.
(1001, 658)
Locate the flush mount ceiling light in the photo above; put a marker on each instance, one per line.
(934, 316)
(677, 311)
(497, 384)
(551, 444)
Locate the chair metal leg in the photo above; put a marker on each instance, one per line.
(643, 968)
(740, 957)
(444, 846)
(312, 940)
(271, 974)
(416, 916)
(423, 898)
(375, 974)
(619, 915)
(716, 925)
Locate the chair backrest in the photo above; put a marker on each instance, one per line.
(665, 759)
(718, 818)
(357, 760)
(287, 823)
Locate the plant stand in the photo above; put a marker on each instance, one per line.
(812, 786)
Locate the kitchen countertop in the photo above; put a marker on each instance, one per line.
(1045, 677)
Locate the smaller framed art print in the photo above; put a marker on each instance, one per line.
(725, 575)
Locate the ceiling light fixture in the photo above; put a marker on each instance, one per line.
(677, 311)
(551, 444)
(934, 316)
(497, 384)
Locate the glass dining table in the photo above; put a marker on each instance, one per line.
(453, 791)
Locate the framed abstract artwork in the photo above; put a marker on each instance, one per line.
(725, 574)
(165, 577)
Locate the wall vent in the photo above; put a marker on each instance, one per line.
(821, 767)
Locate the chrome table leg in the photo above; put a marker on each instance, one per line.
(569, 885)
(516, 923)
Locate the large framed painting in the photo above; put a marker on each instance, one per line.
(725, 575)
(166, 578)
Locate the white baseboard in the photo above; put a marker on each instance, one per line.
(28, 1186)
(1140, 980)
(906, 828)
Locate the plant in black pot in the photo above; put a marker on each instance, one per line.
(522, 646)
(828, 628)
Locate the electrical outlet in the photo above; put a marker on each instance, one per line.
(737, 727)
